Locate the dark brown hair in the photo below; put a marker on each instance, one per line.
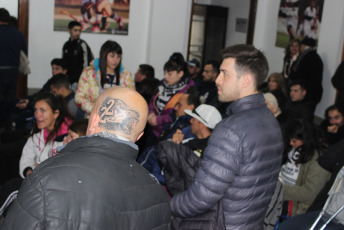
(108, 47)
(248, 59)
(55, 103)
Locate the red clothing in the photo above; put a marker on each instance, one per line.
(62, 130)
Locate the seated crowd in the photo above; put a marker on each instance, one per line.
(183, 110)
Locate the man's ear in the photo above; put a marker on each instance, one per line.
(214, 76)
(202, 125)
(247, 80)
(92, 124)
(304, 92)
(139, 136)
(191, 107)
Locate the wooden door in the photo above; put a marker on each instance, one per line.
(215, 32)
(23, 26)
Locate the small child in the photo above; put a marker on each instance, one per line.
(77, 129)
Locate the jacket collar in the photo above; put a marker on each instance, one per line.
(105, 146)
(248, 102)
(69, 97)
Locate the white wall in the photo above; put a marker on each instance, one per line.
(169, 31)
(11, 6)
(237, 9)
(160, 27)
(329, 47)
(157, 28)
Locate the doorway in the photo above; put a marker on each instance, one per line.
(207, 33)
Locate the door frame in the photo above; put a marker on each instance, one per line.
(23, 26)
(251, 22)
(250, 28)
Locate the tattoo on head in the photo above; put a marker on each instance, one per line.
(115, 115)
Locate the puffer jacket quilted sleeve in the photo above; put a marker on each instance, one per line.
(180, 166)
(216, 172)
(240, 166)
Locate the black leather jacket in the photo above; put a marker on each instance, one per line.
(94, 183)
(180, 164)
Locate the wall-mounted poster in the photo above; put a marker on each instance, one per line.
(298, 19)
(95, 16)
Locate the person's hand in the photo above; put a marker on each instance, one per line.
(28, 172)
(332, 129)
(152, 119)
(65, 140)
(178, 137)
(22, 104)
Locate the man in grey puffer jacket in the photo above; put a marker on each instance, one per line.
(243, 157)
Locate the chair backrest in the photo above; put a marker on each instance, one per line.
(336, 198)
(334, 206)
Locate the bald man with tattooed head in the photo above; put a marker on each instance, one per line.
(95, 182)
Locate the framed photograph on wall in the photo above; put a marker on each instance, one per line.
(298, 19)
(95, 16)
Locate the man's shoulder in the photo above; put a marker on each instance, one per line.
(67, 42)
(225, 128)
(246, 120)
(298, 104)
(9, 31)
(243, 114)
(310, 57)
(70, 97)
(306, 104)
(81, 41)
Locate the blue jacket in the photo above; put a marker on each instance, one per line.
(240, 166)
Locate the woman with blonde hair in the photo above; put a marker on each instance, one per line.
(276, 86)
